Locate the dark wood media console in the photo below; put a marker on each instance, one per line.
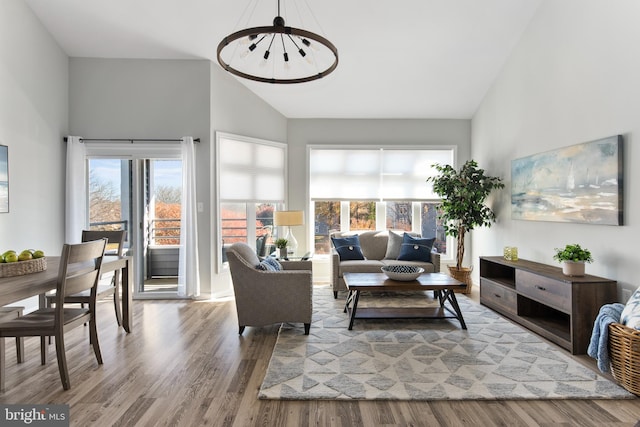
(560, 308)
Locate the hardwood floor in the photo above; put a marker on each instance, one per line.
(185, 365)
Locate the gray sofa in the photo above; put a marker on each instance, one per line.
(374, 245)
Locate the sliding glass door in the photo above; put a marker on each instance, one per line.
(161, 202)
(142, 196)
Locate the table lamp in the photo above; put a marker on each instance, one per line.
(289, 219)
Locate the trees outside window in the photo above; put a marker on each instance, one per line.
(421, 217)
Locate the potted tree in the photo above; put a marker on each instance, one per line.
(462, 209)
(573, 258)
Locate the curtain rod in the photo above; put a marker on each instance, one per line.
(131, 140)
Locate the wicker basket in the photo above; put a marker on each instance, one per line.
(20, 268)
(463, 274)
(624, 354)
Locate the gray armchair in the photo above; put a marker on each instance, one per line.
(267, 297)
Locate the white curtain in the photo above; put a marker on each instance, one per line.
(76, 190)
(188, 277)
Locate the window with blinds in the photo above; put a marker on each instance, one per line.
(251, 170)
(368, 188)
(376, 174)
(252, 184)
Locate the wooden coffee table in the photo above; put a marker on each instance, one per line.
(442, 285)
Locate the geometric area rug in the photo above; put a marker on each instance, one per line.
(494, 359)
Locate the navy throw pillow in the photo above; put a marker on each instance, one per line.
(415, 248)
(269, 264)
(348, 248)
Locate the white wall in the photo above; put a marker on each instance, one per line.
(146, 99)
(141, 98)
(33, 120)
(303, 132)
(236, 110)
(572, 78)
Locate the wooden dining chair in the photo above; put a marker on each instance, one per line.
(106, 287)
(10, 313)
(79, 271)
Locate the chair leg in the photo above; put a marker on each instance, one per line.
(62, 360)
(15, 313)
(241, 330)
(82, 306)
(47, 304)
(93, 339)
(44, 349)
(20, 349)
(116, 298)
(307, 327)
(2, 364)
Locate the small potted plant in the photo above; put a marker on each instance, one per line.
(573, 258)
(281, 244)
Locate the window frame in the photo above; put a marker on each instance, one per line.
(380, 203)
(217, 219)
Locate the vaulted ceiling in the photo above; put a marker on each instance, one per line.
(398, 59)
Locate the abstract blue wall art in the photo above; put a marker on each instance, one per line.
(581, 183)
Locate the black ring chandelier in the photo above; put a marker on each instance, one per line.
(289, 43)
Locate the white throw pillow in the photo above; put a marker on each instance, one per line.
(630, 316)
(393, 245)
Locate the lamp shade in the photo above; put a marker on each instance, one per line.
(288, 218)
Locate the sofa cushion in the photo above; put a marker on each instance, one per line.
(348, 248)
(365, 266)
(393, 245)
(374, 243)
(415, 248)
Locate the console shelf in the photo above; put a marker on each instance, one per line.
(560, 308)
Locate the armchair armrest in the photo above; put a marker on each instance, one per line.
(296, 265)
(435, 260)
(334, 264)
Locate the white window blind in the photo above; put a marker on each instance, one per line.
(251, 170)
(374, 173)
(344, 174)
(135, 150)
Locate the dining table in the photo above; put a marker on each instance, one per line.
(17, 288)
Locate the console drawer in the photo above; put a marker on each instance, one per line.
(551, 292)
(498, 296)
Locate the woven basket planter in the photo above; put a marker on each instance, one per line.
(463, 274)
(624, 354)
(11, 269)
